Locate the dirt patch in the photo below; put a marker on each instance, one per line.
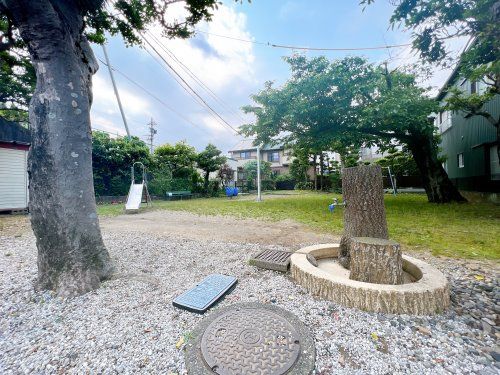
(220, 228)
(14, 225)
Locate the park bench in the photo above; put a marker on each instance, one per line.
(172, 195)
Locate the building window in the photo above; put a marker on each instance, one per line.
(273, 157)
(473, 87)
(460, 158)
(245, 155)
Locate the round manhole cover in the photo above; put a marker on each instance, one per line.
(250, 341)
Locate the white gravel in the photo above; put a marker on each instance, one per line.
(130, 326)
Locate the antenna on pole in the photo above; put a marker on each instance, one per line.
(151, 135)
(116, 90)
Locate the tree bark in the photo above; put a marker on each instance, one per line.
(206, 182)
(377, 261)
(364, 213)
(72, 258)
(437, 184)
(315, 173)
(321, 170)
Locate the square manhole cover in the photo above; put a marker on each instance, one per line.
(277, 260)
(205, 294)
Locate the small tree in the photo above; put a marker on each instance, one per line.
(112, 159)
(173, 167)
(226, 174)
(250, 169)
(209, 160)
(179, 159)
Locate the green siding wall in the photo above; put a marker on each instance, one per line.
(466, 135)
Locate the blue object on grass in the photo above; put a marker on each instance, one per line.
(231, 191)
(331, 207)
(205, 294)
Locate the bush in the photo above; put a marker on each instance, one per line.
(285, 182)
(267, 185)
(336, 182)
(160, 185)
(304, 185)
(214, 189)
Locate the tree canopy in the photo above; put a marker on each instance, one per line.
(350, 102)
(111, 162)
(434, 22)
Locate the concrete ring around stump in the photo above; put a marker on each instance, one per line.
(427, 294)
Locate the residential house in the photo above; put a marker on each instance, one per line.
(279, 157)
(14, 146)
(469, 143)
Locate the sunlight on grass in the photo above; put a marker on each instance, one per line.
(458, 230)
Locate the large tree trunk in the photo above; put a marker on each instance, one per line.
(72, 258)
(364, 213)
(437, 184)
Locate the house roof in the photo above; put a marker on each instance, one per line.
(454, 74)
(247, 144)
(12, 132)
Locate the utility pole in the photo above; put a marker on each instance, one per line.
(259, 197)
(116, 90)
(151, 135)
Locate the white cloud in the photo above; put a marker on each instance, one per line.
(219, 62)
(105, 100)
(105, 113)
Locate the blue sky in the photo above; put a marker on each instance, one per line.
(231, 69)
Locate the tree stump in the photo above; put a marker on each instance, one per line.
(364, 213)
(375, 260)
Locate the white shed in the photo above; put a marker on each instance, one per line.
(14, 146)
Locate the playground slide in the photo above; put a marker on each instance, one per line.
(134, 197)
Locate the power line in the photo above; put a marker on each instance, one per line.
(214, 112)
(196, 78)
(284, 46)
(154, 97)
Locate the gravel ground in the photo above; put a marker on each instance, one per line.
(130, 326)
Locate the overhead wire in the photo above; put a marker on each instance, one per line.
(285, 46)
(155, 97)
(188, 88)
(196, 78)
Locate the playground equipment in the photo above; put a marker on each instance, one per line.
(393, 181)
(138, 193)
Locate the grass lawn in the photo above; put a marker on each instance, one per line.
(469, 230)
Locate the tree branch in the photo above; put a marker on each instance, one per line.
(4, 46)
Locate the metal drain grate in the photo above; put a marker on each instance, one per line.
(277, 260)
